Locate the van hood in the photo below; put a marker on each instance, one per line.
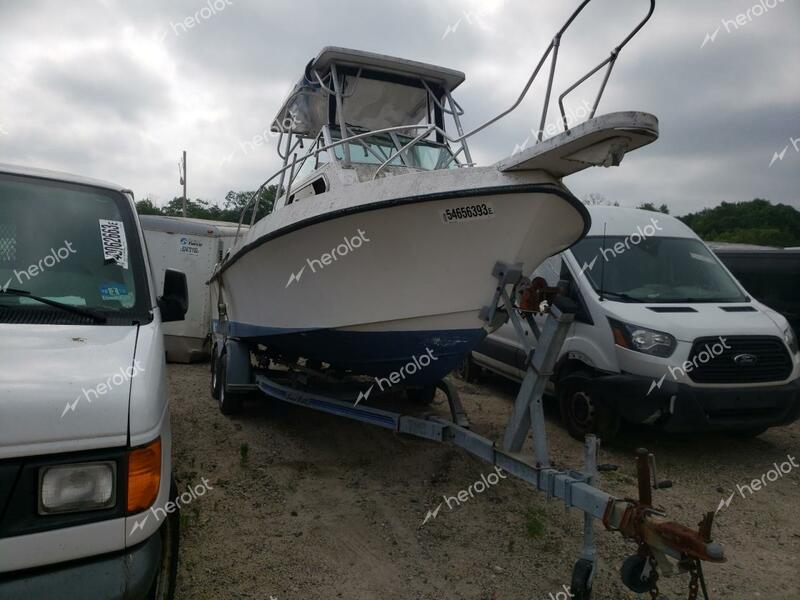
(64, 387)
(688, 322)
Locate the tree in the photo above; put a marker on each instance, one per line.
(755, 222)
(236, 201)
(652, 207)
(204, 209)
(595, 199)
(145, 206)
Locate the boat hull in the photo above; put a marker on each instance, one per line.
(373, 288)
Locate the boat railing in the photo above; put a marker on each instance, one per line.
(451, 107)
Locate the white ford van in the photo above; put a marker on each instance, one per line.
(84, 421)
(664, 335)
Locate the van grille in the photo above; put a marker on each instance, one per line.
(760, 359)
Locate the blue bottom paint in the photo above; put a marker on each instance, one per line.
(379, 354)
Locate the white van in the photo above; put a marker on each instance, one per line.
(84, 420)
(194, 247)
(664, 335)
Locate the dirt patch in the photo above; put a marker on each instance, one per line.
(308, 506)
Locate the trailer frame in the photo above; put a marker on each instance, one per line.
(658, 539)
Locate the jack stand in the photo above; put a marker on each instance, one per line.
(528, 412)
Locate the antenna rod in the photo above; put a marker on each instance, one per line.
(183, 181)
(603, 266)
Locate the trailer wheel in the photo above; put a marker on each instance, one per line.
(230, 403)
(581, 413)
(581, 586)
(424, 395)
(468, 370)
(747, 433)
(632, 573)
(214, 374)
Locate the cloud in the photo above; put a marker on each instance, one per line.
(109, 89)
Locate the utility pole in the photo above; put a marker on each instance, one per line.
(182, 171)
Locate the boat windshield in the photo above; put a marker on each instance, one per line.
(657, 269)
(376, 149)
(69, 244)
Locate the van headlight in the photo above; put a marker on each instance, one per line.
(641, 339)
(77, 487)
(790, 338)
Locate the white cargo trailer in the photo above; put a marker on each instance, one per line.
(192, 246)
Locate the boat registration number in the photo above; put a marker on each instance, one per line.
(470, 212)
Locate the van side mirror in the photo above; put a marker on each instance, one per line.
(175, 301)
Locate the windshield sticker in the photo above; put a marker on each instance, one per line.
(700, 257)
(113, 291)
(471, 212)
(189, 247)
(115, 247)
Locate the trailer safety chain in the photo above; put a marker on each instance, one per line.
(654, 593)
(697, 581)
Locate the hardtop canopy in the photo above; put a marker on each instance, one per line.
(379, 91)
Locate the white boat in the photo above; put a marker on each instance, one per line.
(380, 248)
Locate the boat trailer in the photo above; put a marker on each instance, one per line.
(664, 547)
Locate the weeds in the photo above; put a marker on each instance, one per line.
(535, 522)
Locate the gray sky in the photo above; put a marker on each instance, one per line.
(116, 90)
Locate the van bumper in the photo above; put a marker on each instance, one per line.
(677, 407)
(120, 576)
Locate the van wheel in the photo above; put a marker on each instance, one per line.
(214, 374)
(229, 403)
(580, 413)
(163, 587)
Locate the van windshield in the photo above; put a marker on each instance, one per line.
(656, 269)
(71, 245)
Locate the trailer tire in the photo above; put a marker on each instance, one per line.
(468, 370)
(580, 413)
(745, 434)
(423, 395)
(230, 403)
(631, 573)
(581, 586)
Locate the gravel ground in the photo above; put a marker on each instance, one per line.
(308, 506)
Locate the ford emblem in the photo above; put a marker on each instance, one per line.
(745, 359)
